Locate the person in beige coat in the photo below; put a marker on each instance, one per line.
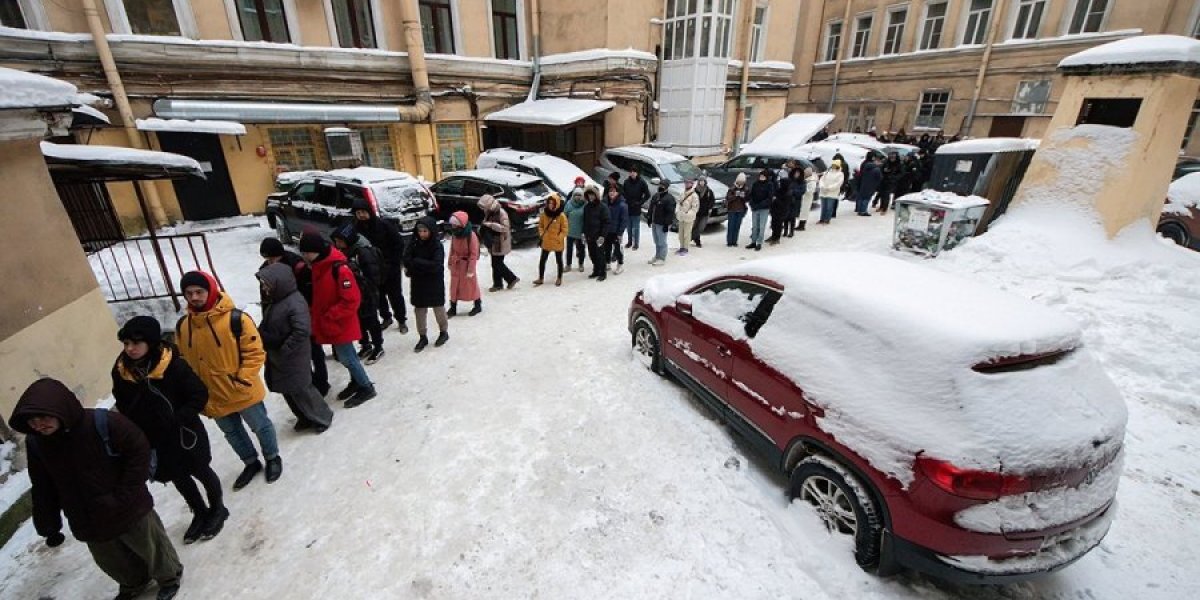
(685, 213)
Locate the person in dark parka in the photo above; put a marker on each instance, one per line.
(781, 208)
(425, 263)
(100, 487)
(869, 182)
(596, 216)
(156, 389)
(385, 236)
(272, 251)
(761, 193)
(636, 194)
(286, 328)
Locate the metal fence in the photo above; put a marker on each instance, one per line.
(147, 268)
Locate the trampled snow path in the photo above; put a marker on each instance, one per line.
(533, 457)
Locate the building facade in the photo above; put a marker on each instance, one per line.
(966, 67)
(288, 70)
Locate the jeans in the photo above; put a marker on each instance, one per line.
(501, 274)
(256, 417)
(758, 225)
(349, 358)
(575, 246)
(861, 204)
(733, 227)
(635, 230)
(827, 208)
(659, 232)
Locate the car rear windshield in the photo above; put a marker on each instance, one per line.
(395, 197)
(680, 171)
(531, 192)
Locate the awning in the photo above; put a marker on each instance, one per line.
(275, 112)
(191, 126)
(77, 162)
(552, 111)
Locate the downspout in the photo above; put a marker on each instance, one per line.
(983, 67)
(415, 46)
(537, 51)
(837, 65)
(740, 114)
(99, 38)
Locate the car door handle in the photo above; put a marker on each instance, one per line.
(723, 351)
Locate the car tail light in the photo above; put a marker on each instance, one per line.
(371, 200)
(519, 208)
(970, 483)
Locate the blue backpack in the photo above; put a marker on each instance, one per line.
(100, 417)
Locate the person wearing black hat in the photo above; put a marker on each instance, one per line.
(367, 263)
(159, 392)
(272, 251)
(385, 236)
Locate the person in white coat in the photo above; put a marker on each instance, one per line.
(686, 212)
(830, 187)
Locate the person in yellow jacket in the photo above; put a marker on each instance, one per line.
(229, 357)
(552, 231)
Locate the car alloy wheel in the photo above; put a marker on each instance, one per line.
(843, 504)
(645, 345)
(281, 231)
(1174, 232)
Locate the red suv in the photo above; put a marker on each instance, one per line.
(948, 427)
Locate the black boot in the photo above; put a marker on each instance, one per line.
(350, 390)
(387, 322)
(442, 338)
(453, 309)
(421, 343)
(247, 475)
(274, 469)
(364, 394)
(199, 519)
(215, 522)
(477, 309)
(167, 592)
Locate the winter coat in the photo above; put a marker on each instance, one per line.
(870, 179)
(463, 260)
(662, 209)
(689, 206)
(71, 471)
(707, 202)
(496, 220)
(229, 367)
(370, 263)
(553, 226)
(286, 327)
(893, 170)
(336, 297)
(760, 195)
(636, 193)
(799, 193)
(735, 199)
(385, 235)
(301, 271)
(781, 205)
(830, 184)
(164, 397)
(618, 216)
(425, 262)
(574, 213)
(595, 220)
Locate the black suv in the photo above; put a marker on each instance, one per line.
(522, 196)
(324, 199)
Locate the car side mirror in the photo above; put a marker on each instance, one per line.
(655, 181)
(684, 306)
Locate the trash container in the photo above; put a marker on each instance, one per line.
(928, 221)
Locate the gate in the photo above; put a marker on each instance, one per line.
(147, 268)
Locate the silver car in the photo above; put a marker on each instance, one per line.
(653, 163)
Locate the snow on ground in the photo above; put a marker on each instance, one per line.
(533, 457)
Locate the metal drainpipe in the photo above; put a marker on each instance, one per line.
(837, 65)
(537, 51)
(96, 27)
(415, 46)
(740, 114)
(983, 66)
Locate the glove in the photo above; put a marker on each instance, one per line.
(55, 540)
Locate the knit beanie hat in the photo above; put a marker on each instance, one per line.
(197, 279)
(141, 329)
(312, 241)
(346, 233)
(270, 248)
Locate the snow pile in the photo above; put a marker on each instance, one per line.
(117, 154)
(946, 200)
(551, 111)
(19, 89)
(861, 140)
(193, 126)
(1183, 195)
(788, 133)
(1056, 550)
(1085, 156)
(989, 145)
(854, 155)
(84, 109)
(597, 54)
(1138, 50)
(723, 310)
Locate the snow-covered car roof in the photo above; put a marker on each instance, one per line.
(562, 173)
(989, 146)
(858, 139)
(370, 174)
(853, 154)
(887, 349)
(500, 176)
(654, 155)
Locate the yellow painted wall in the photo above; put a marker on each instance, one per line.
(252, 175)
(212, 20)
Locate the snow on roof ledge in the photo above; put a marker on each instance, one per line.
(117, 154)
(30, 90)
(552, 111)
(596, 54)
(989, 145)
(192, 126)
(1160, 50)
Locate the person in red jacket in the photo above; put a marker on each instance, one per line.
(335, 312)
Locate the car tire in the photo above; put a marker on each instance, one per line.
(839, 498)
(282, 231)
(1175, 232)
(646, 345)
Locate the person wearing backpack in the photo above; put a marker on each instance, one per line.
(334, 312)
(92, 465)
(156, 389)
(222, 344)
(366, 262)
(286, 330)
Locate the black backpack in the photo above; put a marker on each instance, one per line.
(235, 323)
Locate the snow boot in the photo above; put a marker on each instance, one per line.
(441, 340)
(512, 284)
(620, 269)
(167, 592)
(558, 282)
(538, 281)
(421, 343)
(403, 328)
(375, 355)
(247, 475)
(214, 522)
(302, 425)
(132, 593)
(363, 395)
(275, 465)
(478, 309)
(580, 268)
(364, 351)
(751, 246)
(495, 288)
(387, 322)
(453, 310)
(350, 390)
(199, 519)
(322, 388)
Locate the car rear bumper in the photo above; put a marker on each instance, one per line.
(1057, 552)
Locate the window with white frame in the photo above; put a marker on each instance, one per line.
(1191, 125)
(894, 35)
(862, 35)
(1031, 97)
(355, 23)
(1028, 19)
(833, 40)
(698, 30)
(505, 35)
(932, 111)
(1087, 16)
(12, 15)
(747, 125)
(437, 26)
(151, 17)
(860, 119)
(263, 21)
(932, 26)
(979, 14)
(758, 34)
